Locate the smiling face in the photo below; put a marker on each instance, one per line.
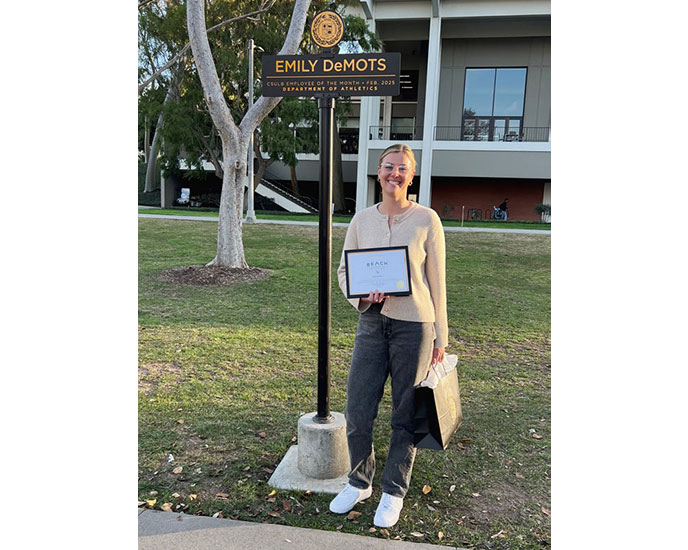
(395, 174)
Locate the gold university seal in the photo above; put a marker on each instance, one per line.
(327, 29)
(452, 408)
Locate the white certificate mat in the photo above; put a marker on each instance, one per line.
(383, 269)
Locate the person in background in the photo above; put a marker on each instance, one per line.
(397, 336)
(503, 208)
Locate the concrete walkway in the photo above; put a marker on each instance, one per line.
(340, 224)
(174, 531)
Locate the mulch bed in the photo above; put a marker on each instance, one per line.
(203, 275)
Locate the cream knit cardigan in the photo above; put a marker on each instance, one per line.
(421, 230)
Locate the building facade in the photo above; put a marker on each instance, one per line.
(474, 107)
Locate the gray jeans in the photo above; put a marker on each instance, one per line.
(384, 346)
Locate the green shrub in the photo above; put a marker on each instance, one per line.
(545, 209)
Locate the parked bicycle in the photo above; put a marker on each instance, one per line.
(495, 214)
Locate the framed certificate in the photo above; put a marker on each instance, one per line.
(383, 269)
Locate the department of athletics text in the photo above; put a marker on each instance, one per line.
(333, 88)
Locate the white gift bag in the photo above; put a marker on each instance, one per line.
(439, 370)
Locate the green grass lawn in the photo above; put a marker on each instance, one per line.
(273, 215)
(225, 373)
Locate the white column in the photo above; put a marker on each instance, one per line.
(362, 166)
(387, 118)
(432, 85)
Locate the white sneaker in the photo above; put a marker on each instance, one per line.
(348, 497)
(387, 513)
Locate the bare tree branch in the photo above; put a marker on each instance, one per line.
(264, 104)
(265, 6)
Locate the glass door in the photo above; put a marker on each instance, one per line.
(513, 132)
(483, 130)
(499, 129)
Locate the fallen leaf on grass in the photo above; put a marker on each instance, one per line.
(176, 495)
(465, 441)
(261, 434)
(417, 534)
(153, 493)
(167, 507)
(426, 489)
(475, 495)
(274, 514)
(293, 439)
(141, 502)
(440, 535)
(286, 505)
(546, 511)
(384, 532)
(180, 421)
(222, 495)
(372, 530)
(537, 436)
(151, 502)
(353, 514)
(500, 535)
(177, 470)
(431, 508)
(273, 492)
(520, 476)
(452, 488)
(193, 497)
(218, 515)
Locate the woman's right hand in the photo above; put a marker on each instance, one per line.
(374, 297)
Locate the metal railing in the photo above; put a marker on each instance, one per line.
(348, 140)
(302, 200)
(396, 133)
(528, 133)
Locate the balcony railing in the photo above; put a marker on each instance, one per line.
(453, 133)
(396, 133)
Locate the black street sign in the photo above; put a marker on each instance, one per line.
(333, 75)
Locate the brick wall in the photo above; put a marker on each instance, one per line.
(448, 195)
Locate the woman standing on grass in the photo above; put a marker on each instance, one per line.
(397, 335)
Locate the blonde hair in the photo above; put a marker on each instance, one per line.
(399, 148)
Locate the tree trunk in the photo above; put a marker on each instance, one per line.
(337, 174)
(262, 164)
(152, 159)
(146, 140)
(235, 140)
(294, 181)
(230, 244)
(152, 162)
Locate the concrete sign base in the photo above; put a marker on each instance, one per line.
(320, 462)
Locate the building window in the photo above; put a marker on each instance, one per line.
(493, 102)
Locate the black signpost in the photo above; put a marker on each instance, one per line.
(325, 77)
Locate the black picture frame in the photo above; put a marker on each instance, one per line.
(390, 292)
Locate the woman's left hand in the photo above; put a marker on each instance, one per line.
(437, 355)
